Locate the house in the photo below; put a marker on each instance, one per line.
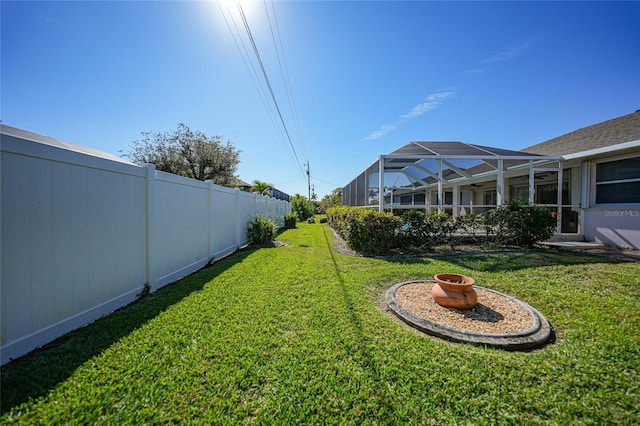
(275, 193)
(596, 167)
(602, 168)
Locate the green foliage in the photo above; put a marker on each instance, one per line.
(417, 230)
(261, 231)
(471, 226)
(297, 335)
(367, 231)
(311, 220)
(520, 224)
(302, 206)
(262, 188)
(290, 220)
(516, 224)
(444, 228)
(421, 231)
(187, 153)
(323, 219)
(146, 290)
(330, 200)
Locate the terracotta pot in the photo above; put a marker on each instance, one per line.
(454, 291)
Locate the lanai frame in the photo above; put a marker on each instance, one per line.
(493, 165)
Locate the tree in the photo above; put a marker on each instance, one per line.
(262, 188)
(330, 200)
(302, 206)
(187, 153)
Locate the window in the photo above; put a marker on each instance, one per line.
(618, 182)
(548, 193)
(489, 197)
(448, 198)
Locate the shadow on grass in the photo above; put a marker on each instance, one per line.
(37, 373)
(506, 260)
(365, 358)
(524, 259)
(488, 260)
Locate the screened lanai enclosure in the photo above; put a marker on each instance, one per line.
(460, 178)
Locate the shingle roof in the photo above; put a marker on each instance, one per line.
(608, 133)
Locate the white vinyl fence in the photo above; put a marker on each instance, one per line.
(82, 234)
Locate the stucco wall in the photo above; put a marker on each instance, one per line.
(619, 227)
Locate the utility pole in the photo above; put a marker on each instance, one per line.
(309, 179)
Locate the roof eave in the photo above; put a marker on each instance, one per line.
(603, 150)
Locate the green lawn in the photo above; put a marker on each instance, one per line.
(298, 334)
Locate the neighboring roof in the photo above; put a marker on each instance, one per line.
(47, 140)
(608, 133)
(240, 184)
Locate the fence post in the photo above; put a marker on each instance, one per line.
(237, 216)
(150, 190)
(210, 216)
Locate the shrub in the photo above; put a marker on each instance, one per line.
(302, 206)
(311, 220)
(261, 231)
(367, 231)
(416, 230)
(290, 220)
(520, 223)
(336, 217)
(323, 220)
(372, 233)
(444, 228)
(471, 228)
(423, 231)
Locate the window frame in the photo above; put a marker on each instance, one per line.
(597, 184)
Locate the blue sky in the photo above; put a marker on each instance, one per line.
(352, 80)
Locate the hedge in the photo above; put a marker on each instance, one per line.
(371, 232)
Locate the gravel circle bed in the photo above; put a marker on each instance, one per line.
(494, 313)
(499, 320)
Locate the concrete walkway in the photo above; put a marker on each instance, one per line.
(596, 248)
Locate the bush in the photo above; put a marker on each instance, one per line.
(336, 218)
(520, 223)
(302, 206)
(373, 233)
(421, 231)
(444, 228)
(367, 231)
(290, 220)
(417, 230)
(261, 231)
(471, 226)
(323, 220)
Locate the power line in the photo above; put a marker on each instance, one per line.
(266, 77)
(241, 47)
(328, 183)
(253, 73)
(284, 72)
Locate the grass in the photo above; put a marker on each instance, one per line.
(298, 334)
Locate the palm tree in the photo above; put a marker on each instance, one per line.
(262, 188)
